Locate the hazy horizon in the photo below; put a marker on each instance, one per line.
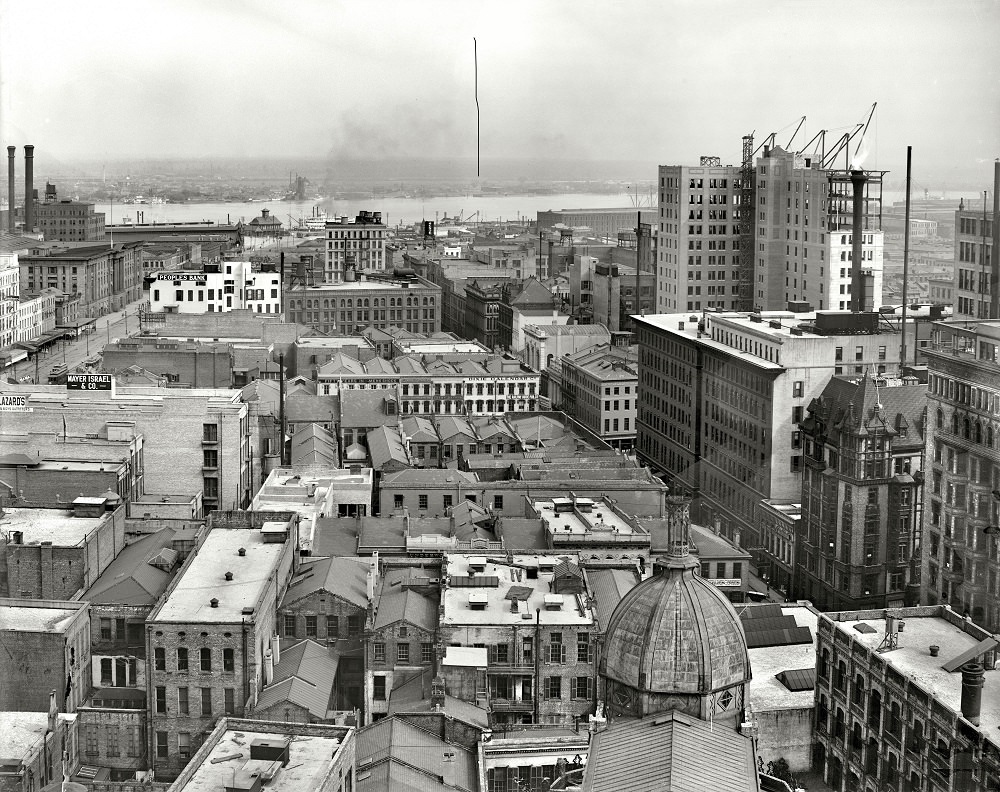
(567, 90)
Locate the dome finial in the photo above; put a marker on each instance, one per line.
(678, 514)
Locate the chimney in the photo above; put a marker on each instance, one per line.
(437, 693)
(276, 648)
(10, 188)
(972, 691)
(858, 180)
(268, 666)
(29, 188)
(448, 769)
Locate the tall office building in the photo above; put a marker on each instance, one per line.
(354, 246)
(973, 236)
(697, 264)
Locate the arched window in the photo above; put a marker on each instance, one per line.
(979, 432)
(966, 428)
(940, 418)
(989, 436)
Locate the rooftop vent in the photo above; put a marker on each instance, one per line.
(213, 602)
(553, 602)
(241, 552)
(478, 600)
(229, 576)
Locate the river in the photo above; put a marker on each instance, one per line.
(395, 211)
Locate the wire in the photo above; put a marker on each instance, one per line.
(475, 64)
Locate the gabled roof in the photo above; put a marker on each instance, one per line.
(533, 292)
(678, 753)
(408, 364)
(414, 695)
(313, 445)
(398, 604)
(344, 578)
(131, 579)
(379, 365)
(301, 407)
(488, 427)
(394, 755)
(304, 676)
(449, 426)
(341, 363)
(419, 429)
(386, 446)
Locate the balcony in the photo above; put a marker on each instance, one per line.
(512, 705)
(495, 667)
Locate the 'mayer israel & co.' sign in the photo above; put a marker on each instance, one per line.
(11, 403)
(99, 382)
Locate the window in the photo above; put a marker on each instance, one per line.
(353, 625)
(332, 626)
(184, 745)
(498, 502)
(107, 677)
(206, 659)
(557, 652)
(92, 748)
(737, 569)
(159, 659)
(182, 701)
(289, 625)
(105, 629)
(310, 626)
(527, 650)
(182, 659)
(230, 694)
(378, 688)
(582, 687)
(161, 745)
(397, 501)
(161, 699)
(583, 647)
(797, 387)
(426, 652)
(421, 501)
(210, 433)
(553, 687)
(403, 653)
(378, 651)
(113, 749)
(227, 660)
(206, 701)
(211, 458)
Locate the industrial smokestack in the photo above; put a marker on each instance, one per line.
(10, 188)
(972, 691)
(858, 180)
(29, 188)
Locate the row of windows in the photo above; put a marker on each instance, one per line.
(311, 625)
(205, 659)
(204, 697)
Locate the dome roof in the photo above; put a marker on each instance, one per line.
(675, 633)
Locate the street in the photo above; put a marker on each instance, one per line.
(73, 351)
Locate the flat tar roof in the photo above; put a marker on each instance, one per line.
(309, 762)
(766, 692)
(912, 658)
(205, 578)
(58, 526)
(28, 619)
(19, 731)
(530, 592)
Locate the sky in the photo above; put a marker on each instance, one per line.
(663, 81)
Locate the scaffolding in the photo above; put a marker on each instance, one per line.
(746, 226)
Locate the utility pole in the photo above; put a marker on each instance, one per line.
(906, 267)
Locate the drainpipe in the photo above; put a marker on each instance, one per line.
(538, 652)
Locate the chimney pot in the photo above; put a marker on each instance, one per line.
(972, 691)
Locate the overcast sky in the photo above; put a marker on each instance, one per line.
(664, 81)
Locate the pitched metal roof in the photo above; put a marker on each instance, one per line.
(670, 752)
(400, 756)
(345, 578)
(304, 676)
(414, 695)
(131, 579)
(385, 445)
(398, 604)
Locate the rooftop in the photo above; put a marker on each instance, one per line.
(342, 577)
(132, 578)
(394, 755)
(204, 578)
(582, 518)
(37, 615)
(913, 660)
(21, 732)
(58, 526)
(483, 591)
(311, 758)
(766, 692)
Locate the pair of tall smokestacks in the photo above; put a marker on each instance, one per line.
(29, 188)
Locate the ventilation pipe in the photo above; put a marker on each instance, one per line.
(972, 692)
(276, 648)
(268, 666)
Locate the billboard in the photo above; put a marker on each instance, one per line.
(14, 403)
(90, 382)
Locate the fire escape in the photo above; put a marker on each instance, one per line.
(747, 182)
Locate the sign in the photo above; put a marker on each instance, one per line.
(181, 276)
(15, 404)
(94, 382)
(725, 582)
